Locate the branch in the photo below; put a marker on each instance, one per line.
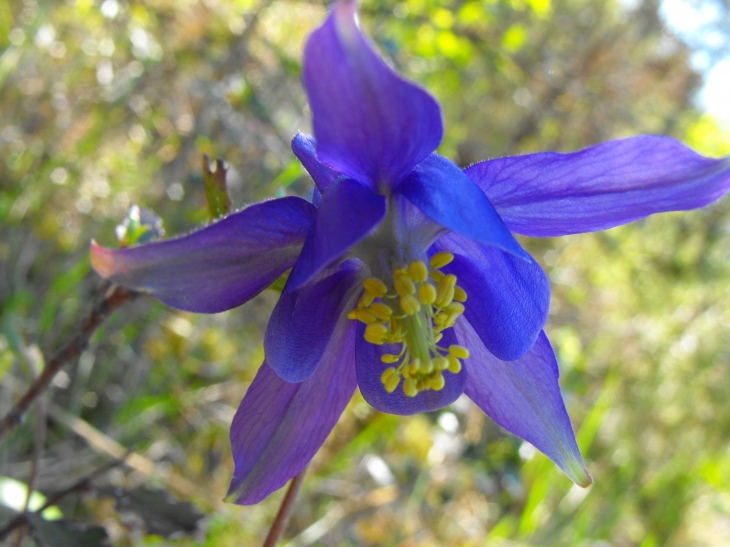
(114, 298)
(277, 527)
(81, 485)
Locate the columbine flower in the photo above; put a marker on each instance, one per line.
(405, 278)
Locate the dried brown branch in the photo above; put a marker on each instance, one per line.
(80, 485)
(114, 298)
(277, 527)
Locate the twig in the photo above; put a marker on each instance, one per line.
(34, 359)
(79, 486)
(114, 298)
(277, 527)
(104, 444)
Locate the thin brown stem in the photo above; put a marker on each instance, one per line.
(277, 527)
(79, 486)
(114, 298)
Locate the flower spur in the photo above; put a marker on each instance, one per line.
(406, 280)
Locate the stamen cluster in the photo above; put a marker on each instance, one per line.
(420, 303)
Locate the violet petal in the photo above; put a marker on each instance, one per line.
(348, 212)
(523, 396)
(304, 148)
(448, 197)
(303, 321)
(280, 426)
(508, 298)
(217, 267)
(550, 194)
(369, 122)
(370, 368)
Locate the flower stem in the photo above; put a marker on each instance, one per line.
(277, 527)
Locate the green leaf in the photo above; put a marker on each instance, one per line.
(216, 188)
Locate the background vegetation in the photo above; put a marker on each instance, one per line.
(105, 105)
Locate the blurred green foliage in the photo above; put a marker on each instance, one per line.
(113, 103)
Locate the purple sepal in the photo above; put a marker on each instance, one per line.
(304, 148)
(280, 426)
(550, 194)
(523, 396)
(303, 321)
(348, 212)
(508, 298)
(448, 197)
(217, 267)
(369, 122)
(370, 368)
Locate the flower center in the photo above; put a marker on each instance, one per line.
(413, 310)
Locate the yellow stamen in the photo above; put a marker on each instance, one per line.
(441, 363)
(386, 374)
(438, 382)
(365, 300)
(362, 315)
(459, 294)
(412, 310)
(381, 311)
(404, 286)
(427, 293)
(409, 387)
(459, 352)
(454, 365)
(392, 382)
(375, 286)
(418, 271)
(410, 304)
(441, 259)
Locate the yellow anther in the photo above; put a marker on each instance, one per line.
(375, 333)
(381, 311)
(362, 315)
(441, 259)
(425, 303)
(375, 287)
(454, 307)
(378, 328)
(404, 285)
(459, 352)
(444, 294)
(410, 304)
(365, 300)
(409, 387)
(374, 339)
(427, 293)
(459, 294)
(418, 271)
(454, 364)
(438, 382)
(392, 382)
(426, 366)
(451, 320)
(386, 374)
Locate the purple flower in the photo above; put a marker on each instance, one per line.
(406, 280)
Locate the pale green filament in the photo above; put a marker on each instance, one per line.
(420, 303)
